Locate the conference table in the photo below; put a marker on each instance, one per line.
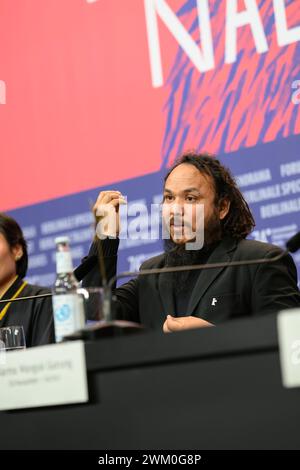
(212, 388)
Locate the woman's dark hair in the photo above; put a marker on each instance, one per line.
(239, 221)
(13, 234)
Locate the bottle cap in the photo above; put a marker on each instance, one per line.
(62, 239)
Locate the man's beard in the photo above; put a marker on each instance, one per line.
(178, 255)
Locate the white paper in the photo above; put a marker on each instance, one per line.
(43, 376)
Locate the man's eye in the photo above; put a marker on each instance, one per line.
(168, 197)
(191, 198)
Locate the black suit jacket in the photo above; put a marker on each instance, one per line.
(34, 315)
(218, 295)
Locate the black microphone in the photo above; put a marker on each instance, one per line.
(292, 245)
(82, 270)
(29, 297)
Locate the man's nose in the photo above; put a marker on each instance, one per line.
(177, 209)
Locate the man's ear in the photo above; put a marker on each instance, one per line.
(224, 206)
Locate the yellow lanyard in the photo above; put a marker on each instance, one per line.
(13, 297)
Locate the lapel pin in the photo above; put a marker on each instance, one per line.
(214, 301)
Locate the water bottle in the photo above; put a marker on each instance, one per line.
(68, 308)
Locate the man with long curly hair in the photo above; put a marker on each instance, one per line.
(196, 298)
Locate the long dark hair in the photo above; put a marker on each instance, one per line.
(239, 221)
(13, 234)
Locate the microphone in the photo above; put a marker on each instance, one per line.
(82, 270)
(29, 297)
(292, 245)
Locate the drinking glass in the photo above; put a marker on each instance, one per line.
(12, 338)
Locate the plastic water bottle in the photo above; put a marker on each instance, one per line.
(68, 308)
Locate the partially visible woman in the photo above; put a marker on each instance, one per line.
(34, 315)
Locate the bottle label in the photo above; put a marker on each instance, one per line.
(64, 262)
(68, 311)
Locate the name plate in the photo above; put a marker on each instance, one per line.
(288, 325)
(43, 376)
